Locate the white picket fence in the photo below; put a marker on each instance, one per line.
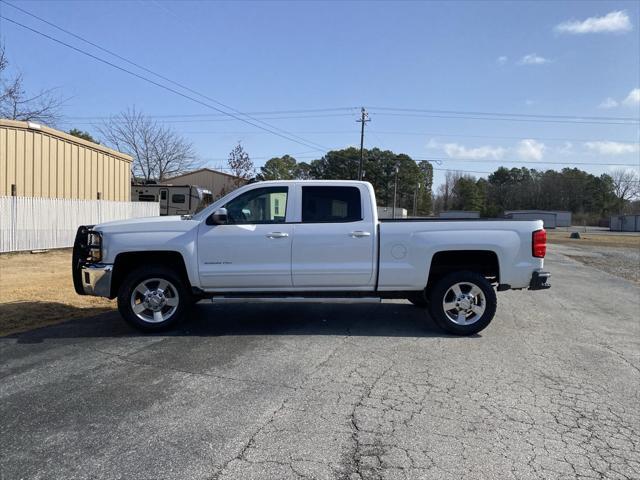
(30, 223)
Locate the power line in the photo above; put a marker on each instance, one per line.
(524, 162)
(437, 169)
(423, 134)
(499, 137)
(284, 134)
(515, 119)
(464, 171)
(272, 130)
(173, 82)
(190, 115)
(505, 114)
(221, 118)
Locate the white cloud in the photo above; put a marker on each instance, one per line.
(502, 59)
(633, 98)
(608, 103)
(454, 150)
(612, 148)
(613, 22)
(528, 102)
(530, 149)
(533, 59)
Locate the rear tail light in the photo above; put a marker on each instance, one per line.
(539, 243)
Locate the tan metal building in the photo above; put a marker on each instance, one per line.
(37, 161)
(218, 183)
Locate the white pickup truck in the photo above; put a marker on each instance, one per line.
(309, 240)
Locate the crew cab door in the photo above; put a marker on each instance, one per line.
(333, 240)
(253, 250)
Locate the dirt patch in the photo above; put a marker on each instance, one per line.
(37, 290)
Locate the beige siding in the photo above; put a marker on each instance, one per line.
(47, 181)
(3, 164)
(11, 159)
(36, 144)
(43, 162)
(94, 175)
(20, 164)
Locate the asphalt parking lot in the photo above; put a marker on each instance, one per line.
(550, 390)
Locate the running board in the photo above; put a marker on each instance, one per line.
(296, 300)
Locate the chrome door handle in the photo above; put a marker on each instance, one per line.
(359, 234)
(277, 235)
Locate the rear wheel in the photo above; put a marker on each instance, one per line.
(153, 299)
(463, 303)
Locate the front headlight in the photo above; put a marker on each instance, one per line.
(94, 244)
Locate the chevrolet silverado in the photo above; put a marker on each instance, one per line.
(308, 241)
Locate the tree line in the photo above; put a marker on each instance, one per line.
(589, 197)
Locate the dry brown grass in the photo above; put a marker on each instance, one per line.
(603, 239)
(37, 290)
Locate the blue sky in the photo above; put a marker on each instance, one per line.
(535, 58)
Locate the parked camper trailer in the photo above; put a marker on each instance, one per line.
(173, 199)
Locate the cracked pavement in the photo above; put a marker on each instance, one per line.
(549, 390)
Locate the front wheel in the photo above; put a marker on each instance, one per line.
(463, 303)
(152, 299)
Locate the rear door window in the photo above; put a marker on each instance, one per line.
(331, 204)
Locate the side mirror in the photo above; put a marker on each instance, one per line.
(219, 217)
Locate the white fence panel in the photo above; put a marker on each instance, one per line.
(31, 223)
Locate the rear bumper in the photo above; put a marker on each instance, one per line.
(540, 280)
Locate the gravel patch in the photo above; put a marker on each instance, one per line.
(622, 262)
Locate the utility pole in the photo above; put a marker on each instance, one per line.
(364, 118)
(415, 200)
(395, 193)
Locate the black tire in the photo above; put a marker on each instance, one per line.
(419, 299)
(176, 292)
(441, 290)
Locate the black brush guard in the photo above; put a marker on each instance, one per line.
(80, 256)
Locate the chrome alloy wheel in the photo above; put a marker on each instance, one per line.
(154, 300)
(464, 303)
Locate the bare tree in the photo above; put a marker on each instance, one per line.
(240, 165)
(16, 104)
(626, 185)
(158, 152)
(445, 193)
